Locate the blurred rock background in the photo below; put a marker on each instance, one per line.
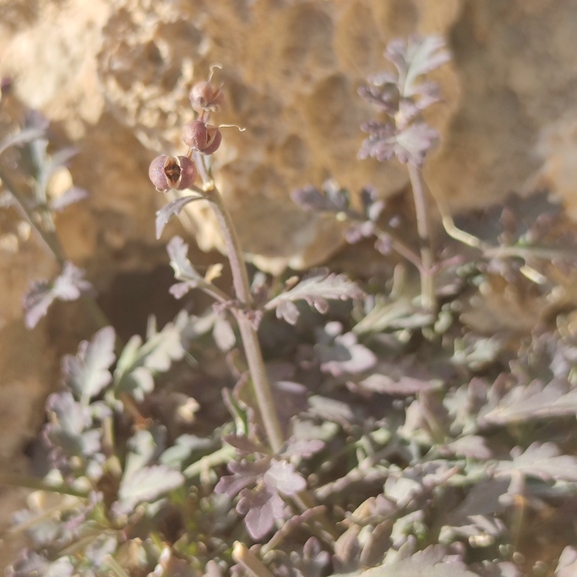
(113, 78)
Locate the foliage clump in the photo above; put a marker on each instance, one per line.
(399, 424)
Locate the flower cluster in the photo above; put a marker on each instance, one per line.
(180, 172)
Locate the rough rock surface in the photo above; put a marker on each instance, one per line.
(113, 77)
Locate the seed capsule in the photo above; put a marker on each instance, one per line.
(205, 96)
(167, 172)
(202, 137)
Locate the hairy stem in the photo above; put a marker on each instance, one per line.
(248, 333)
(424, 229)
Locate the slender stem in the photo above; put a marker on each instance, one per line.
(423, 228)
(403, 249)
(233, 248)
(45, 238)
(248, 333)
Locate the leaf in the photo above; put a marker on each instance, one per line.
(243, 474)
(147, 484)
(542, 461)
(282, 477)
(87, 373)
(409, 144)
(68, 286)
(315, 288)
(69, 433)
(535, 401)
(183, 270)
(171, 209)
(415, 58)
(72, 195)
(22, 137)
(139, 362)
(432, 562)
(261, 508)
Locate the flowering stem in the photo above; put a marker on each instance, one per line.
(428, 298)
(248, 333)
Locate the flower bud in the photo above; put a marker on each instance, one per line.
(202, 137)
(205, 96)
(167, 172)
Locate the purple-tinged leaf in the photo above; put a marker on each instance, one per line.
(315, 289)
(409, 145)
(87, 373)
(171, 209)
(535, 401)
(72, 195)
(146, 485)
(542, 461)
(282, 477)
(68, 286)
(243, 473)
(262, 508)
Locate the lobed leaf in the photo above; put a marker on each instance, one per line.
(173, 208)
(315, 288)
(261, 508)
(68, 286)
(543, 461)
(534, 401)
(87, 373)
(147, 484)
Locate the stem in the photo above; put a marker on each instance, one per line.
(45, 238)
(248, 333)
(402, 249)
(428, 298)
